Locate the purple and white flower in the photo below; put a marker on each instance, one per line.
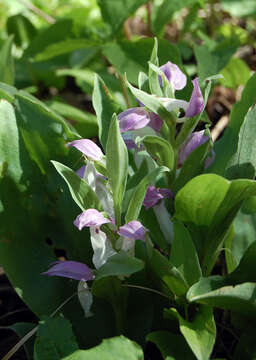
(154, 195)
(174, 75)
(88, 148)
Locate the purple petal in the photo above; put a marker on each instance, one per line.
(133, 230)
(71, 269)
(196, 102)
(80, 172)
(155, 122)
(196, 139)
(153, 195)
(88, 148)
(90, 217)
(174, 75)
(133, 119)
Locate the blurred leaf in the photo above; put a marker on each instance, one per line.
(59, 31)
(172, 346)
(120, 264)
(211, 62)
(132, 57)
(239, 8)
(226, 147)
(119, 348)
(6, 62)
(243, 163)
(236, 73)
(84, 122)
(184, 255)
(200, 333)
(22, 29)
(7, 92)
(66, 46)
(116, 12)
(117, 166)
(163, 11)
(81, 192)
(139, 193)
(105, 106)
(55, 339)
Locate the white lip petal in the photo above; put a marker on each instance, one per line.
(174, 104)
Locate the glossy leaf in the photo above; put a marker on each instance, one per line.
(55, 339)
(119, 348)
(119, 265)
(139, 193)
(184, 255)
(117, 166)
(200, 333)
(212, 291)
(81, 192)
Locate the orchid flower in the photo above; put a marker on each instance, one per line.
(153, 198)
(196, 139)
(71, 269)
(89, 149)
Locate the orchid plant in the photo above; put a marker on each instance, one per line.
(158, 213)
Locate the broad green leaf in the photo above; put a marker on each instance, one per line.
(119, 265)
(168, 273)
(236, 73)
(212, 291)
(172, 346)
(117, 166)
(200, 333)
(105, 107)
(84, 122)
(139, 193)
(211, 62)
(22, 29)
(81, 192)
(55, 339)
(63, 47)
(6, 62)
(184, 255)
(243, 163)
(119, 348)
(132, 57)
(226, 147)
(160, 150)
(115, 12)
(163, 11)
(211, 202)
